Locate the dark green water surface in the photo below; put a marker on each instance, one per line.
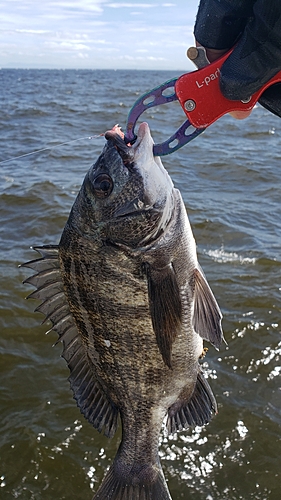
(229, 178)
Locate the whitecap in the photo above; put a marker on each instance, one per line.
(222, 256)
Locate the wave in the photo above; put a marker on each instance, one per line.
(222, 256)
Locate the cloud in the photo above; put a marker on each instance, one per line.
(118, 5)
(48, 29)
(32, 32)
(88, 5)
(67, 45)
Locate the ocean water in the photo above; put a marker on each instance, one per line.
(229, 178)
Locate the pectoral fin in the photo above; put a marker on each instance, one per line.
(165, 307)
(88, 392)
(194, 410)
(206, 316)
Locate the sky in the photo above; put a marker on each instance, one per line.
(96, 34)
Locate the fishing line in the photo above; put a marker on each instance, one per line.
(49, 148)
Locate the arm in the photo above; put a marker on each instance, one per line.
(255, 25)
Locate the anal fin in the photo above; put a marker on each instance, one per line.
(197, 410)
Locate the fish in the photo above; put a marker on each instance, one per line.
(131, 305)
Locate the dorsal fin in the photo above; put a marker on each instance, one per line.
(207, 315)
(88, 392)
(165, 307)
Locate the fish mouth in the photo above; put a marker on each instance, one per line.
(128, 151)
(149, 201)
(117, 138)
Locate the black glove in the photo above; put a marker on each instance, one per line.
(257, 55)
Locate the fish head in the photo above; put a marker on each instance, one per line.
(128, 193)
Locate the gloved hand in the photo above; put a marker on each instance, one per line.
(256, 27)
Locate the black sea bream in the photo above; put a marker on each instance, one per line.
(124, 291)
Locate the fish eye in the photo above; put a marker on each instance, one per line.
(102, 185)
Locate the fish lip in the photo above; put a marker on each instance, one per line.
(126, 152)
(143, 131)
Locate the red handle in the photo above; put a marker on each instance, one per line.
(201, 99)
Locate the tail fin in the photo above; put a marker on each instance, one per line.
(148, 484)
